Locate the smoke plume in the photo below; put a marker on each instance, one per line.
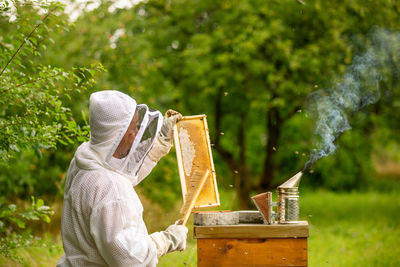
(358, 88)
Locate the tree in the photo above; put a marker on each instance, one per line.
(33, 115)
(251, 63)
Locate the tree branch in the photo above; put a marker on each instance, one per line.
(29, 82)
(24, 40)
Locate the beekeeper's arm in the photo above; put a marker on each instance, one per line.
(162, 144)
(115, 233)
(172, 239)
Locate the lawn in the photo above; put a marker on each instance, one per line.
(346, 229)
(356, 229)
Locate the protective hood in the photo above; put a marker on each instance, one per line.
(111, 113)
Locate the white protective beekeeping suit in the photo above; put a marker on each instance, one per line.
(102, 222)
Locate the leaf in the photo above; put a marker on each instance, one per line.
(62, 142)
(38, 152)
(14, 147)
(5, 213)
(46, 218)
(33, 41)
(39, 203)
(18, 221)
(44, 209)
(12, 207)
(32, 217)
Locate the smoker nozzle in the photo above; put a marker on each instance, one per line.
(292, 182)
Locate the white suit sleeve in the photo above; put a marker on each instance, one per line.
(117, 238)
(146, 168)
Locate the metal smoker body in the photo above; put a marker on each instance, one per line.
(287, 207)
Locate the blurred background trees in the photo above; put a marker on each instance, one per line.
(247, 65)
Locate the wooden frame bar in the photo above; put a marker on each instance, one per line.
(209, 197)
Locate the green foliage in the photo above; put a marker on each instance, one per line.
(248, 65)
(36, 97)
(32, 112)
(12, 220)
(30, 173)
(16, 249)
(253, 60)
(10, 215)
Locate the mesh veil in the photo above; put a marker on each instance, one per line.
(148, 125)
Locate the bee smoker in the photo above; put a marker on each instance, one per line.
(287, 207)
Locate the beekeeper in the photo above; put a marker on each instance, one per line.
(102, 223)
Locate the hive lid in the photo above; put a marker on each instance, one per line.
(297, 230)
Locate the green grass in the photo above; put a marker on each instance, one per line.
(37, 256)
(346, 229)
(356, 229)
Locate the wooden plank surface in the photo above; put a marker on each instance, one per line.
(225, 252)
(253, 231)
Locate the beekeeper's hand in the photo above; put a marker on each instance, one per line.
(163, 142)
(172, 239)
(171, 117)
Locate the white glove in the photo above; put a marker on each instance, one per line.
(171, 117)
(163, 142)
(172, 239)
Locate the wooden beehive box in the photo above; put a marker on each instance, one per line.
(250, 243)
(193, 152)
